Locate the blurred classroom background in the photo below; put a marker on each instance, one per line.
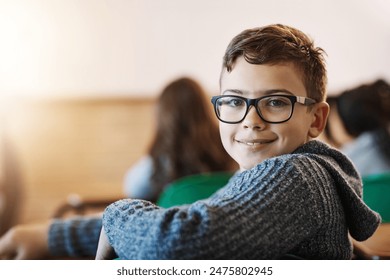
(78, 78)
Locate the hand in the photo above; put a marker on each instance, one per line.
(104, 250)
(25, 242)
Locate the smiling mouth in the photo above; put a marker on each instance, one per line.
(254, 142)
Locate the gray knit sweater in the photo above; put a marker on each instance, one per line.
(302, 204)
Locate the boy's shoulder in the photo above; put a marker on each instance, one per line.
(313, 159)
(320, 152)
(314, 147)
(312, 150)
(312, 156)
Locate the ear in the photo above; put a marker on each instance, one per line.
(320, 115)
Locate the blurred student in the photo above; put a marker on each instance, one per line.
(361, 126)
(186, 142)
(294, 196)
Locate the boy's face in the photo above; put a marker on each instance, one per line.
(253, 140)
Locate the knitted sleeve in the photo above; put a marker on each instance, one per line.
(270, 207)
(76, 237)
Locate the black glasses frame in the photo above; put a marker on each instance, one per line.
(254, 101)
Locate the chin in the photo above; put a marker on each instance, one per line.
(248, 166)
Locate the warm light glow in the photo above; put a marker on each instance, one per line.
(104, 48)
(25, 33)
(61, 48)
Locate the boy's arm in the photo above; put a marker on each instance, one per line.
(105, 250)
(75, 237)
(271, 208)
(25, 242)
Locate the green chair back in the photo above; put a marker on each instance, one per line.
(192, 188)
(376, 194)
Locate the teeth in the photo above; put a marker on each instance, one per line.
(254, 143)
(251, 143)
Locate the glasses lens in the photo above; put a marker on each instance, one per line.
(275, 108)
(231, 108)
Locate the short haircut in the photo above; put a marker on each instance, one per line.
(281, 44)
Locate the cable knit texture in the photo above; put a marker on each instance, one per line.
(303, 204)
(76, 237)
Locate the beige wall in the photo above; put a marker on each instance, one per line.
(75, 146)
(99, 47)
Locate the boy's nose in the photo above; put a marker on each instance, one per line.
(252, 120)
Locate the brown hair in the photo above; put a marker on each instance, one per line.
(279, 44)
(187, 139)
(366, 108)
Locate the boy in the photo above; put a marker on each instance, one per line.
(293, 195)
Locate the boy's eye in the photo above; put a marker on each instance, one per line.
(276, 102)
(232, 102)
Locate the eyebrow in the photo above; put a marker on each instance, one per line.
(266, 92)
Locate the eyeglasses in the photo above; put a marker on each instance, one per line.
(271, 109)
